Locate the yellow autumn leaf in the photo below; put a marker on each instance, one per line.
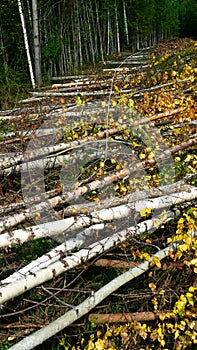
(148, 210)
(155, 303)
(190, 298)
(148, 177)
(151, 155)
(162, 317)
(176, 334)
(182, 325)
(183, 247)
(181, 220)
(134, 144)
(160, 331)
(193, 262)
(173, 73)
(98, 333)
(162, 292)
(113, 102)
(90, 345)
(142, 156)
(123, 188)
(189, 295)
(145, 212)
(169, 325)
(188, 158)
(152, 286)
(162, 342)
(179, 254)
(144, 256)
(155, 261)
(117, 330)
(107, 334)
(180, 304)
(118, 167)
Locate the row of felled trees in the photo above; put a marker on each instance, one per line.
(76, 32)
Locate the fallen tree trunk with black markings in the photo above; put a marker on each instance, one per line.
(94, 217)
(82, 309)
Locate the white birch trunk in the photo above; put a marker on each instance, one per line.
(62, 227)
(37, 50)
(117, 28)
(108, 31)
(26, 44)
(30, 281)
(125, 22)
(79, 36)
(137, 39)
(8, 222)
(82, 309)
(92, 49)
(74, 209)
(13, 160)
(55, 254)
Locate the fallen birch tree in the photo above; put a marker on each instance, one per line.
(11, 161)
(8, 162)
(61, 227)
(152, 88)
(82, 309)
(10, 221)
(98, 184)
(12, 207)
(128, 61)
(52, 270)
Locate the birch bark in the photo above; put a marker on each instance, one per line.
(82, 309)
(26, 44)
(37, 50)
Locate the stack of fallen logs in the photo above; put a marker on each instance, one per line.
(82, 212)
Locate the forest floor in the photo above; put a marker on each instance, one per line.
(112, 155)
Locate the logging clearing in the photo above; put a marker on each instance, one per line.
(98, 207)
